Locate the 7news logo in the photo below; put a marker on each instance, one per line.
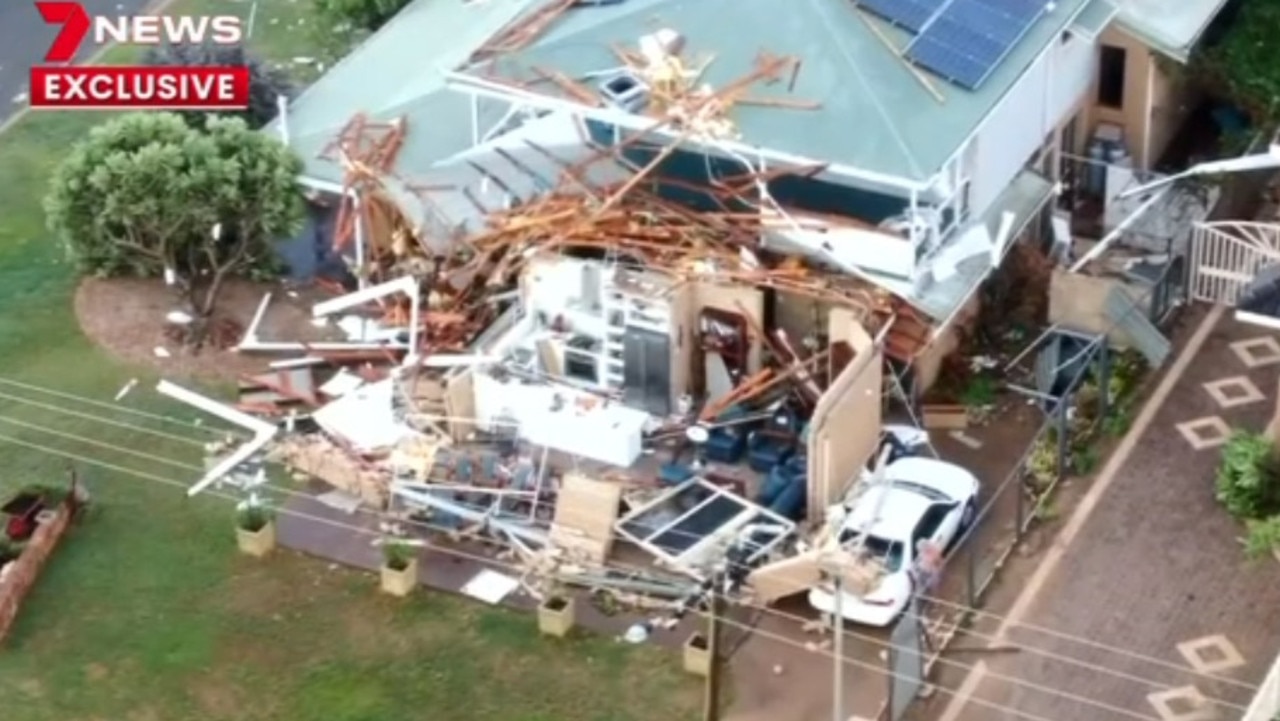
(114, 87)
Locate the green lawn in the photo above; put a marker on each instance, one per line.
(147, 613)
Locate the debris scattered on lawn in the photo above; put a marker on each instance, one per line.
(124, 391)
(966, 440)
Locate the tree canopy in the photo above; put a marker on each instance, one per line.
(1242, 61)
(366, 15)
(145, 195)
(266, 83)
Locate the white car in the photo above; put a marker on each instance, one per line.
(918, 500)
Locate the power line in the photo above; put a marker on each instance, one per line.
(432, 527)
(116, 407)
(494, 563)
(1099, 668)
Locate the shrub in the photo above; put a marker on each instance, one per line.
(254, 517)
(1248, 481)
(366, 15)
(397, 555)
(1261, 537)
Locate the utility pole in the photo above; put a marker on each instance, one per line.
(837, 649)
(711, 701)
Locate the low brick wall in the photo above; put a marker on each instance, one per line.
(22, 574)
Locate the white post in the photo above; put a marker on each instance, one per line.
(282, 111)
(837, 650)
(358, 225)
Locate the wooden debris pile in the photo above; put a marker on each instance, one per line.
(642, 229)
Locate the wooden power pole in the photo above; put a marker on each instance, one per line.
(711, 702)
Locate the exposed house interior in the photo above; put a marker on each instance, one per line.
(648, 281)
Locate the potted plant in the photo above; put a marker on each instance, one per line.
(255, 529)
(556, 614)
(697, 655)
(399, 567)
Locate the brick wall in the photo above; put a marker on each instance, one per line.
(19, 579)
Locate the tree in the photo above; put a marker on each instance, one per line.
(360, 15)
(266, 83)
(147, 195)
(1242, 61)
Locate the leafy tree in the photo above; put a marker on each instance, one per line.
(266, 83)
(360, 15)
(147, 195)
(1242, 60)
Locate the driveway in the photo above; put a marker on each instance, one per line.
(1152, 610)
(25, 38)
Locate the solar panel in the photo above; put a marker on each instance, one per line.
(967, 39)
(909, 14)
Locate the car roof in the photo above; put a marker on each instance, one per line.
(890, 512)
(947, 479)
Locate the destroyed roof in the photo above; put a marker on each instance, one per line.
(1171, 27)
(875, 114)
(513, 169)
(399, 71)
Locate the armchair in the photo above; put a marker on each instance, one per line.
(774, 443)
(726, 443)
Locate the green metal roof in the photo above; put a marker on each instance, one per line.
(1094, 17)
(876, 115)
(399, 71)
(1171, 27)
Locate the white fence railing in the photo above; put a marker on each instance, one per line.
(1266, 702)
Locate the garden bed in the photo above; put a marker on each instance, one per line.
(21, 562)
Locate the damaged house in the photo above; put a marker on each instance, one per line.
(649, 269)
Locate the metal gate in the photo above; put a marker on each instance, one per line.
(1226, 255)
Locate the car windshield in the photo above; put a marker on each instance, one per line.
(890, 553)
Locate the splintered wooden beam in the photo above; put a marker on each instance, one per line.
(523, 31)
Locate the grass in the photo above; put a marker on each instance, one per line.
(146, 612)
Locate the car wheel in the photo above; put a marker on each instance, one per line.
(969, 515)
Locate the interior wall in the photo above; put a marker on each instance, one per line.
(1172, 100)
(800, 316)
(460, 404)
(733, 299)
(844, 430)
(684, 322)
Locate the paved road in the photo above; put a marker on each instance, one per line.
(25, 38)
(1156, 565)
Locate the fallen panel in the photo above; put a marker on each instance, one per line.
(364, 418)
(786, 577)
(490, 586)
(586, 510)
(262, 431)
(695, 524)
(439, 498)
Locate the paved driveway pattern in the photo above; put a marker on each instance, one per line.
(1157, 573)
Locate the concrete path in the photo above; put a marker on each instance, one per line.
(1146, 607)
